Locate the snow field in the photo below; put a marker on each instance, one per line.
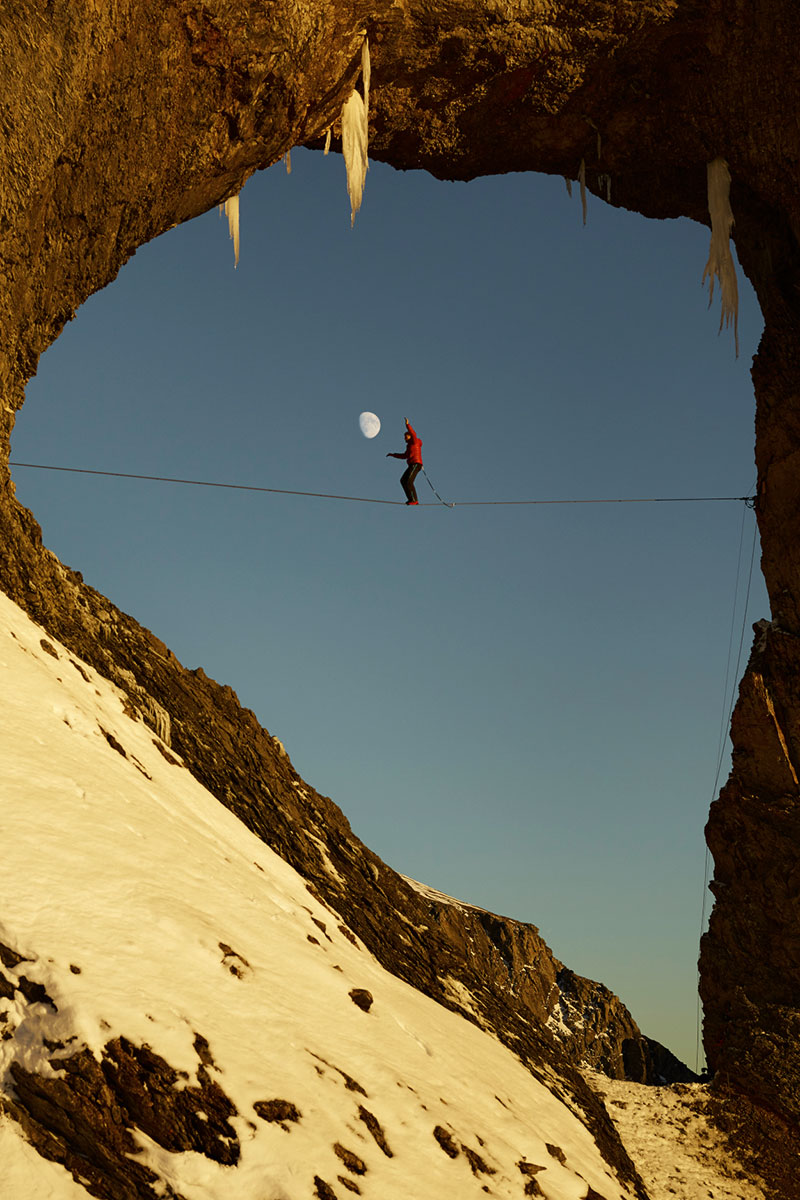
(678, 1153)
(151, 912)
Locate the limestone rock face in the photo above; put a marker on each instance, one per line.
(118, 121)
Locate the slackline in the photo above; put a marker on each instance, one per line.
(249, 487)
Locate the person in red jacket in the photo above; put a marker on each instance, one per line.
(413, 456)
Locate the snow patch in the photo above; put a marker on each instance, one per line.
(27, 1175)
(461, 995)
(330, 869)
(676, 1149)
(440, 897)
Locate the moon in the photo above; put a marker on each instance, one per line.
(369, 425)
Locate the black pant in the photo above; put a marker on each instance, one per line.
(407, 480)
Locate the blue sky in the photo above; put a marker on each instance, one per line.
(518, 705)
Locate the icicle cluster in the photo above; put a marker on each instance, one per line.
(355, 136)
(720, 260)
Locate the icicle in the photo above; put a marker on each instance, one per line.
(568, 182)
(582, 181)
(366, 71)
(231, 209)
(327, 140)
(355, 136)
(288, 160)
(354, 149)
(720, 263)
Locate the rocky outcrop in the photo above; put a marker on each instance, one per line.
(119, 121)
(82, 1117)
(750, 956)
(599, 1032)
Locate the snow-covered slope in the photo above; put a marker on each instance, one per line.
(137, 911)
(678, 1151)
(145, 910)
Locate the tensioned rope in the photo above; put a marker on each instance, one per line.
(249, 487)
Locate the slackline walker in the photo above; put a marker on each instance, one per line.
(412, 455)
(250, 487)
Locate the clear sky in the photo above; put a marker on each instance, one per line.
(518, 705)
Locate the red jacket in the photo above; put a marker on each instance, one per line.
(413, 452)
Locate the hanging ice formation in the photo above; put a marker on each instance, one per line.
(603, 183)
(231, 208)
(720, 260)
(355, 136)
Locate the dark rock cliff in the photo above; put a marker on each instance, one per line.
(119, 121)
